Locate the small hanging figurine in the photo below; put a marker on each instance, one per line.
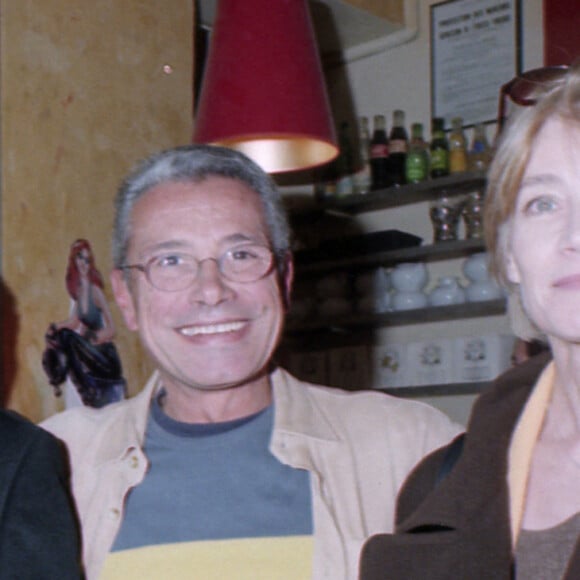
(81, 347)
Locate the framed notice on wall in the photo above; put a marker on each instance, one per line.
(475, 48)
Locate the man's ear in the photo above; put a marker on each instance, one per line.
(124, 298)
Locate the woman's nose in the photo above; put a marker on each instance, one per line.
(571, 234)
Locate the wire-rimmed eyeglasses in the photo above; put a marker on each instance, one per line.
(524, 89)
(175, 271)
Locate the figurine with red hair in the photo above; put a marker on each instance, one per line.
(81, 346)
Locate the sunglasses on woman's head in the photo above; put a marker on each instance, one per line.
(524, 88)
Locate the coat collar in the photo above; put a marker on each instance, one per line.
(525, 435)
(478, 480)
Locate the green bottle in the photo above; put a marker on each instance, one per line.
(439, 149)
(417, 161)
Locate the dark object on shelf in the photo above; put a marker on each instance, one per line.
(361, 244)
(379, 154)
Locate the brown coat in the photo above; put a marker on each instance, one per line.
(460, 527)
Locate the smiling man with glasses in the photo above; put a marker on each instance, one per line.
(225, 465)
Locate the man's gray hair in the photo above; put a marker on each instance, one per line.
(194, 163)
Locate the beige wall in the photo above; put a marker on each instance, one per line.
(84, 94)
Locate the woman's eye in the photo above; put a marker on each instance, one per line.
(540, 205)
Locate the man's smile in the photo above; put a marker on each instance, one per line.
(220, 328)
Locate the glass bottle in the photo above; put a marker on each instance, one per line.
(444, 213)
(344, 184)
(457, 147)
(472, 213)
(398, 145)
(379, 154)
(439, 148)
(362, 177)
(417, 161)
(480, 152)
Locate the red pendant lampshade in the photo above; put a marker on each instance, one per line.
(263, 90)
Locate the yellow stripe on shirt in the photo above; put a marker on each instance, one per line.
(280, 558)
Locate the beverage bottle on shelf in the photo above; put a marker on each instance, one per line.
(457, 147)
(398, 145)
(379, 154)
(344, 183)
(417, 162)
(362, 177)
(439, 148)
(479, 156)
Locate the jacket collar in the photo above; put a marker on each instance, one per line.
(297, 412)
(521, 450)
(297, 416)
(299, 420)
(128, 434)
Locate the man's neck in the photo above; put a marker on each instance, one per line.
(195, 405)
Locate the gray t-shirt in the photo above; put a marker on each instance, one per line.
(214, 481)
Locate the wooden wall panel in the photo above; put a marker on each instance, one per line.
(85, 92)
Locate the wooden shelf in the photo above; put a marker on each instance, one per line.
(428, 253)
(451, 185)
(354, 322)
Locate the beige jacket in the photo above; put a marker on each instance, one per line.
(358, 447)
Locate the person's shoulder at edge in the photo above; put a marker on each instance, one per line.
(15, 427)
(10, 418)
(19, 433)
